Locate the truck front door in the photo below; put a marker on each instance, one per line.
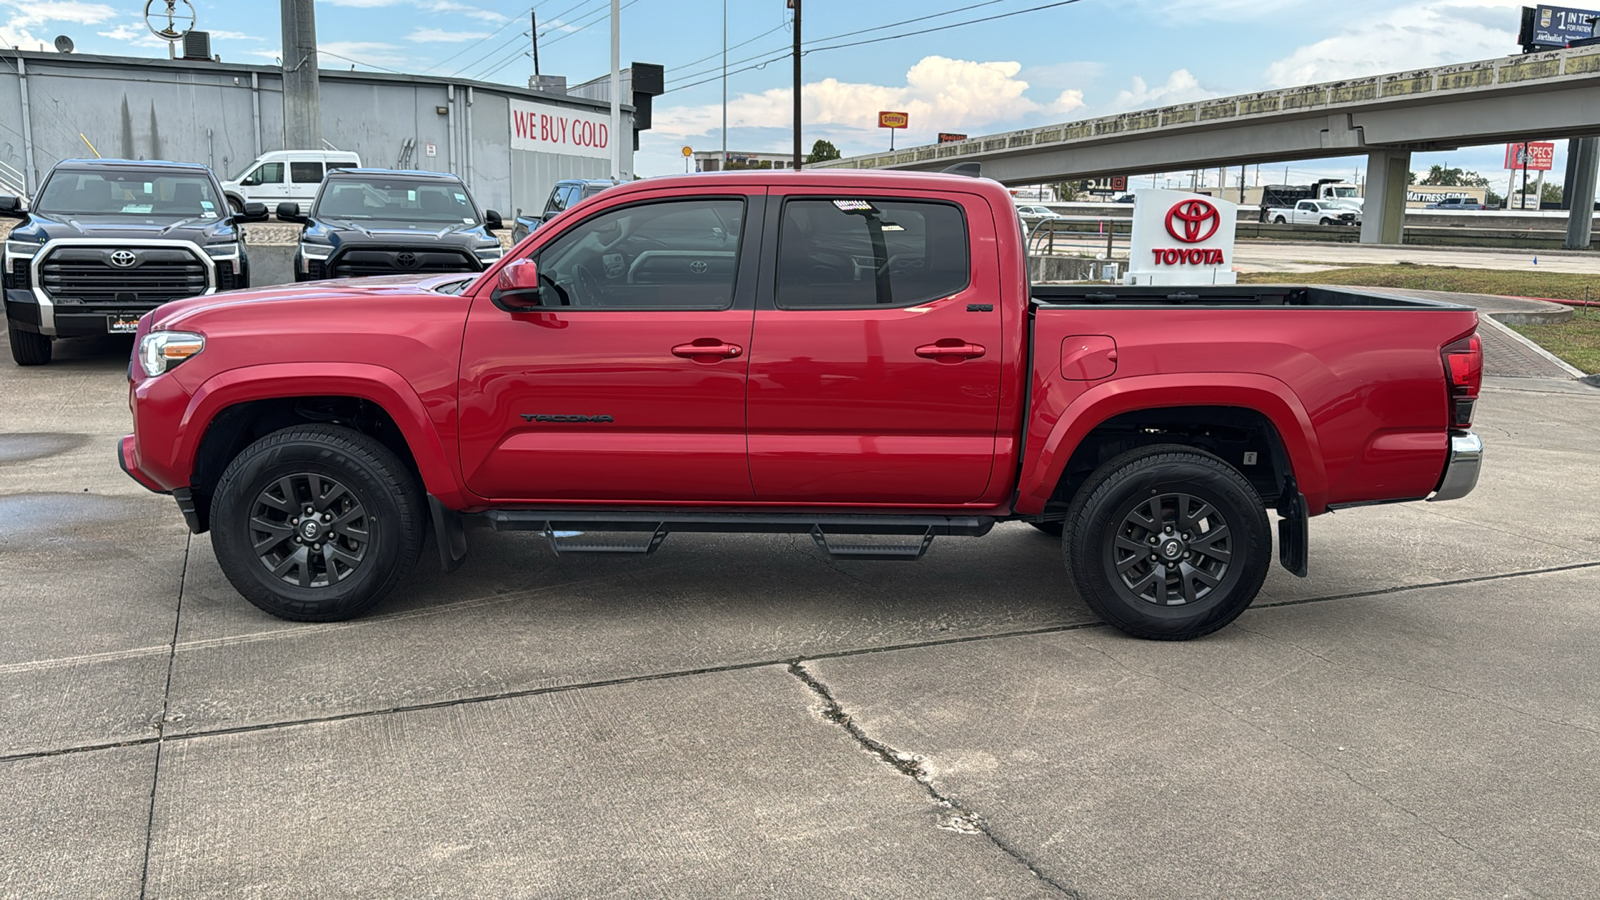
(876, 370)
(628, 382)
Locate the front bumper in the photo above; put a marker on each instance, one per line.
(1462, 469)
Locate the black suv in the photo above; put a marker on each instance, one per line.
(384, 222)
(108, 240)
(564, 194)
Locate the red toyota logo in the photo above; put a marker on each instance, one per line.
(1193, 221)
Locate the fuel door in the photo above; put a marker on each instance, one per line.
(1088, 357)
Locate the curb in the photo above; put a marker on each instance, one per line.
(1514, 335)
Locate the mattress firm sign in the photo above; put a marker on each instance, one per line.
(1182, 239)
(544, 128)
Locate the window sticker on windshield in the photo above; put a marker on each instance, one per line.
(890, 226)
(137, 208)
(206, 204)
(848, 205)
(466, 220)
(460, 197)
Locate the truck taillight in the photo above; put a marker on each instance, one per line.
(1463, 363)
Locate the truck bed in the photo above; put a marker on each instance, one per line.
(1233, 296)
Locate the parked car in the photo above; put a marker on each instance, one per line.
(892, 373)
(1314, 212)
(1033, 214)
(108, 240)
(281, 176)
(384, 222)
(1458, 203)
(565, 193)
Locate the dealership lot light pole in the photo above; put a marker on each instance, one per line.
(616, 90)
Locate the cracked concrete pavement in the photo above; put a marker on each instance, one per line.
(738, 716)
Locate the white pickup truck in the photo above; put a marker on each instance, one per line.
(1315, 212)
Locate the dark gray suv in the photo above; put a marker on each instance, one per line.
(564, 194)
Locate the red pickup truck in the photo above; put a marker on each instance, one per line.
(840, 354)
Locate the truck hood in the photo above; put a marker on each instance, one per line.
(306, 298)
(45, 227)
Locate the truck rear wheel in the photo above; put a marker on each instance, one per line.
(316, 523)
(28, 348)
(1280, 220)
(1168, 543)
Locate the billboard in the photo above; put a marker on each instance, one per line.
(894, 120)
(558, 129)
(1538, 156)
(946, 137)
(1549, 27)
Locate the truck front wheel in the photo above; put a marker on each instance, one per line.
(316, 523)
(1167, 543)
(28, 348)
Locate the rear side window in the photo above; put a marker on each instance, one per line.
(860, 253)
(305, 172)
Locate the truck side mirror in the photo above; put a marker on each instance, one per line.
(492, 220)
(517, 287)
(253, 212)
(289, 212)
(11, 207)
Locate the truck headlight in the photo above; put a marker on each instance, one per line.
(223, 251)
(490, 254)
(160, 351)
(315, 251)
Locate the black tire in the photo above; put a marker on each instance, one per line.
(1229, 548)
(1326, 222)
(1054, 529)
(1280, 221)
(367, 537)
(28, 348)
(235, 204)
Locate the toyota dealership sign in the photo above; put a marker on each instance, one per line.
(1182, 239)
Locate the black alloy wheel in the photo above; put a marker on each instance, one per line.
(316, 523)
(1167, 542)
(309, 530)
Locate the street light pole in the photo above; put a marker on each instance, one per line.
(798, 160)
(616, 90)
(723, 165)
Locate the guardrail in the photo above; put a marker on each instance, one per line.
(1075, 233)
(13, 183)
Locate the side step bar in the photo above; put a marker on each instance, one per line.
(551, 523)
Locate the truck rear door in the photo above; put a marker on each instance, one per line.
(875, 374)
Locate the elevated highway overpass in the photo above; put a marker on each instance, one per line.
(1386, 117)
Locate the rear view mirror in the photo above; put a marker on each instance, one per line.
(517, 287)
(492, 220)
(289, 212)
(11, 207)
(253, 212)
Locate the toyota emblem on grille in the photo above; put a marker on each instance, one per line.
(406, 260)
(123, 258)
(699, 267)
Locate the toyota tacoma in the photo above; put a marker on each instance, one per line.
(834, 354)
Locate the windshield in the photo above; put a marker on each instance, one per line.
(399, 200)
(1348, 193)
(129, 192)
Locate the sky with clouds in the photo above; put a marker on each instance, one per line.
(1034, 62)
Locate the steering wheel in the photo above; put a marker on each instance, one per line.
(585, 287)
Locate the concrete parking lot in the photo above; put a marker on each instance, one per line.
(741, 716)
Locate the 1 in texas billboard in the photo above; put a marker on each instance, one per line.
(1549, 27)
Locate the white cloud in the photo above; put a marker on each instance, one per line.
(439, 35)
(1180, 87)
(27, 13)
(1413, 36)
(438, 6)
(233, 36)
(374, 53)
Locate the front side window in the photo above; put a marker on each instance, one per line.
(267, 173)
(680, 254)
(861, 253)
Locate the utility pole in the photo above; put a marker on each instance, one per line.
(302, 105)
(533, 32)
(616, 90)
(723, 165)
(798, 159)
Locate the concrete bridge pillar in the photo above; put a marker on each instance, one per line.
(1580, 191)
(1383, 214)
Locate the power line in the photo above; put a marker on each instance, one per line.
(603, 16)
(782, 25)
(896, 37)
(503, 26)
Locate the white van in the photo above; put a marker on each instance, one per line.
(281, 176)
